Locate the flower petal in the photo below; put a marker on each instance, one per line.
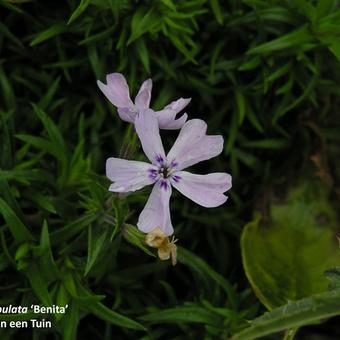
(167, 116)
(147, 85)
(193, 145)
(143, 97)
(156, 212)
(116, 90)
(142, 100)
(206, 190)
(129, 175)
(167, 120)
(177, 105)
(127, 114)
(146, 125)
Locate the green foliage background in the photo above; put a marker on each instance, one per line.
(264, 74)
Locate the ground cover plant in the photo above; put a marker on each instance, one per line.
(263, 74)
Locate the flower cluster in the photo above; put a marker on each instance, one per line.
(164, 171)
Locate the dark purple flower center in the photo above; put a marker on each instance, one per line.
(164, 172)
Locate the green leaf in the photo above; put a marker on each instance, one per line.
(96, 240)
(143, 54)
(18, 317)
(69, 322)
(51, 32)
(143, 22)
(40, 143)
(202, 268)
(46, 99)
(333, 275)
(17, 228)
(70, 230)
(335, 48)
(38, 284)
(241, 106)
(79, 10)
(324, 7)
(232, 135)
(285, 255)
(169, 4)
(11, 7)
(48, 266)
(6, 140)
(10, 36)
(298, 37)
(183, 314)
(215, 6)
(136, 238)
(293, 315)
(43, 202)
(112, 317)
(7, 92)
(52, 130)
(30, 175)
(270, 143)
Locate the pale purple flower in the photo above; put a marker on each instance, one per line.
(192, 146)
(117, 92)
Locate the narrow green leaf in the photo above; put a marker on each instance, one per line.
(202, 268)
(38, 284)
(135, 237)
(96, 242)
(17, 228)
(233, 129)
(51, 128)
(241, 106)
(112, 317)
(298, 37)
(49, 33)
(7, 91)
(11, 7)
(215, 6)
(11, 37)
(269, 143)
(143, 22)
(335, 48)
(70, 321)
(79, 10)
(47, 97)
(40, 143)
(70, 230)
(143, 54)
(47, 264)
(183, 314)
(30, 175)
(170, 4)
(19, 317)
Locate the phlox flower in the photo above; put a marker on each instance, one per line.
(117, 92)
(166, 171)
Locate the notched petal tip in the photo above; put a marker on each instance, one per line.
(205, 190)
(142, 100)
(172, 124)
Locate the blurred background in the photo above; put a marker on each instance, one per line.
(263, 74)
